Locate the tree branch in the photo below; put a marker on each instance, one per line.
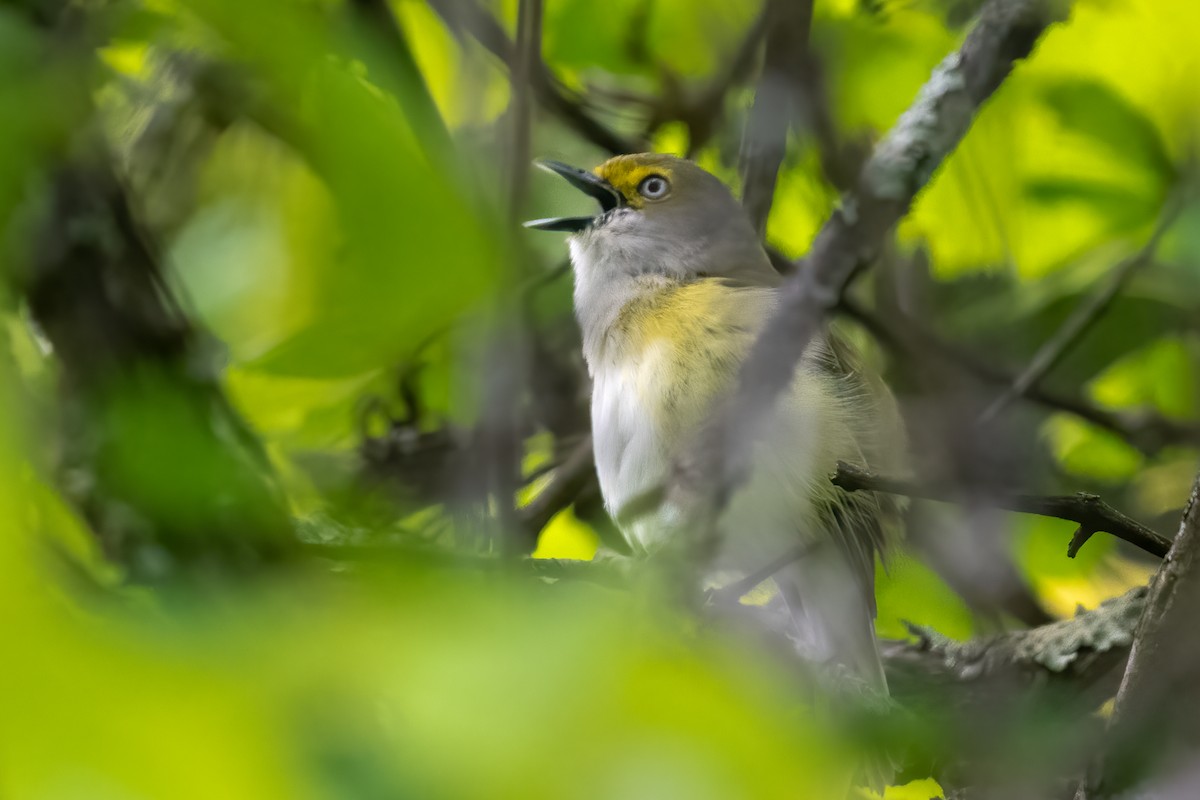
(764, 142)
(1087, 649)
(526, 63)
(1157, 713)
(1043, 684)
(570, 479)
(1091, 513)
(466, 17)
(703, 110)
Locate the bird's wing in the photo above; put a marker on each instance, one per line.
(864, 523)
(854, 418)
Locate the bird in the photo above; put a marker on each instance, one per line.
(672, 285)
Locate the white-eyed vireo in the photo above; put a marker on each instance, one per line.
(672, 285)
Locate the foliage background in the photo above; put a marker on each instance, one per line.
(342, 235)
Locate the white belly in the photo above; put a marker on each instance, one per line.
(632, 453)
(635, 448)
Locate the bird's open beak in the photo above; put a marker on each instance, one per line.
(598, 188)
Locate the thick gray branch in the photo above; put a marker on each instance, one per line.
(1085, 652)
(526, 63)
(1157, 714)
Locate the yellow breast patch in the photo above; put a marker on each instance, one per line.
(684, 347)
(672, 314)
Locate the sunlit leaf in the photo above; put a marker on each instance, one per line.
(1084, 450)
(909, 591)
(416, 250)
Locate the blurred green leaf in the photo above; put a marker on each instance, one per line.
(1064, 584)
(416, 250)
(1162, 376)
(41, 103)
(1163, 487)
(909, 591)
(1012, 320)
(1098, 111)
(169, 454)
(1125, 210)
(1083, 450)
(638, 38)
(875, 66)
(582, 35)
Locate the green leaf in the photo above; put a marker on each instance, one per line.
(416, 247)
(909, 591)
(1097, 454)
(1126, 210)
(1097, 111)
(1010, 321)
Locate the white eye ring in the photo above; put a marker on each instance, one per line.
(654, 187)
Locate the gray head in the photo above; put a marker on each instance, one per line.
(661, 215)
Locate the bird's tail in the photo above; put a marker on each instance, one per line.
(832, 615)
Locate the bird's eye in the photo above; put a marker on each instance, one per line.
(654, 187)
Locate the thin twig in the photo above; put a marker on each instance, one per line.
(703, 116)
(764, 140)
(570, 479)
(466, 17)
(1085, 315)
(733, 592)
(1091, 513)
(1144, 430)
(526, 63)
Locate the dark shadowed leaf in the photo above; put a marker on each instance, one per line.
(1098, 111)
